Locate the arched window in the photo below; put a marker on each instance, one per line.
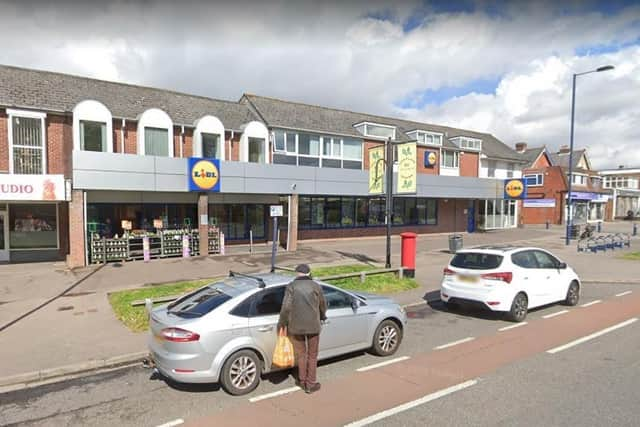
(208, 138)
(92, 127)
(155, 134)
(254, 143)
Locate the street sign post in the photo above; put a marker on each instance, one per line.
(276, 212)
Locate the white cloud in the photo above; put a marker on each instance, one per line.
(336, 54)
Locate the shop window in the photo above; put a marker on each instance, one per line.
(256, 150)
(377, 209)
(348, 211)
(255, 216)
(156, 142)
(333, 212)
(33, 226)
(362, 211)
(398, 211)
(317, 212)
(27, 144)
(304, 212)
(211, 145)
(93, 136)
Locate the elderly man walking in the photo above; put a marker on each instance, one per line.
(303, 308)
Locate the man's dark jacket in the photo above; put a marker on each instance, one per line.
(303, 307)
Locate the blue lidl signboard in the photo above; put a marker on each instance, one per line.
(515, 189)
(204, 174)
(430, 159)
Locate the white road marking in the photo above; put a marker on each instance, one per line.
(621, 294)
(598, 301)
(172, 423)
(592, 336)
(405, 406)
(274, 394)
(517, 325)
(381, 364)
(557, 313)
(451, 344)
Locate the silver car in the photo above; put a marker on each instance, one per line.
(226, 332)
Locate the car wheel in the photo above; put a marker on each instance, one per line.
(573, 294)
(241, 373)
(519, 308)
(387, 338)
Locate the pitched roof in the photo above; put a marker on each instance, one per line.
(296, 115)
(562, 159)
(530, 155)
(45, 90)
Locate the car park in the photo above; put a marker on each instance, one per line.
(226, 332)
(508, 279)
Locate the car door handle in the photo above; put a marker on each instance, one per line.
(265, 329)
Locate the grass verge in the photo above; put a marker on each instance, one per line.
(378, 283)
(135, 318)
(633, 256)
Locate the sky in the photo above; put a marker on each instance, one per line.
(502, 67)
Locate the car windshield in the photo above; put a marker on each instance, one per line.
(199, 303)
(476, 261)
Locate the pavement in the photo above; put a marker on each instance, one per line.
(63, 333)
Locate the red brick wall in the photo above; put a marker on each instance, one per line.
(187, 145)
(541, 162)
(469, 164)
(554, 188)
(59, 144)
(176, 141)
(117, 140)
(233, 148)
(4, 142)
(130, 138)
(367, 146)
(435, 169)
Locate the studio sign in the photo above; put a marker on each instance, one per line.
(31, 187)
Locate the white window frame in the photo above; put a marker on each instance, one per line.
(581, 177)
(456, 159)
(91, 110)
(334, 142)
(421, 137)
(539, 182)
(11, 113)
(365, 132)
(210, 125)
(464, 141)
(154, 118)
(258, 130)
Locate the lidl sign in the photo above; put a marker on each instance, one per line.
(515, 189)
(430, 158)
(204, 174)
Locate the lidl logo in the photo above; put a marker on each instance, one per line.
(430, 158)
(515, 189)
(204, 174)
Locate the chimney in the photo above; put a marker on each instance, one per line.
(564, 149)
(521, 147)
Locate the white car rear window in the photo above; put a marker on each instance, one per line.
(476, 261)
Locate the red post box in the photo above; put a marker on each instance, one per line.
(408, 255)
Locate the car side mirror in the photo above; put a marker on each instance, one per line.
(355, 303)
(562, 266)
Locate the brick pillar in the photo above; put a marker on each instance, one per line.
(292, 233)
(76, 257)
(203, 227)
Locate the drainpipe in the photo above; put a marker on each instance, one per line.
(230, 146)
(124, 122)
(181, 140)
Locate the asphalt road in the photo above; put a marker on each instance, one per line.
(131, 398)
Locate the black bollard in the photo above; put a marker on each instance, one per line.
(635, 229)
(599, 227)
(547, 224)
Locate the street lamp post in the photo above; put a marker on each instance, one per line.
(573, 112)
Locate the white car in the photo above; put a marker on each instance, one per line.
(508, 279)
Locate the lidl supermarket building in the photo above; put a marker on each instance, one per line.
(81, 158)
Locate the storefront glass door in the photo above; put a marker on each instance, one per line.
(4, 236)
